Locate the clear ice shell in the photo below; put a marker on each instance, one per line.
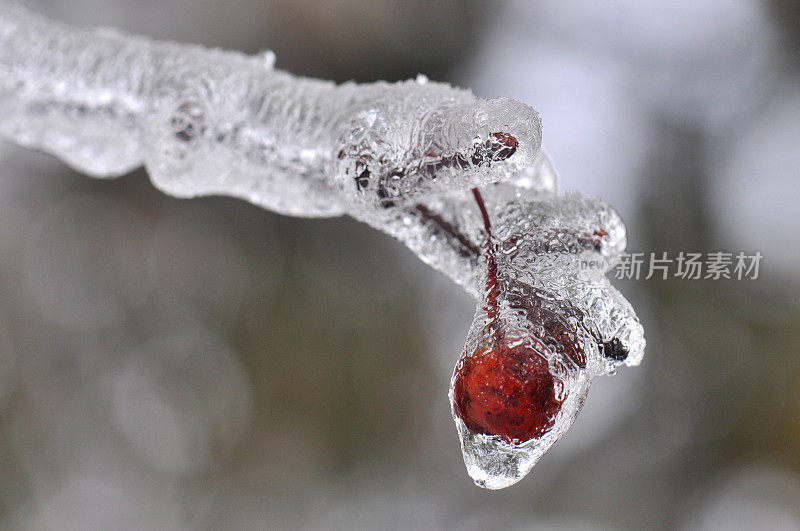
(491, 461)
(545, 289)
(494, 463)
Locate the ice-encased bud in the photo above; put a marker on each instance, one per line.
(435, 139)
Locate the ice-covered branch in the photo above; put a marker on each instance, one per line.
(401, 157)
(212, 121)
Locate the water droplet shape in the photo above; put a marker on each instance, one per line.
(512, 397)
(540, 334)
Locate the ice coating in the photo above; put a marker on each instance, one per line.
(545, 325)
(220, 122)
(400, 157)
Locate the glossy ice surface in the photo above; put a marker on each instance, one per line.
(400, 157)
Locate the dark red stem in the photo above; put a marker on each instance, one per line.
(492, 285)
(468, 249)
(479, 199)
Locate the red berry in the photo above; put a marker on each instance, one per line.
(506, 391)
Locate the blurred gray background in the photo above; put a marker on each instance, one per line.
(184, 364)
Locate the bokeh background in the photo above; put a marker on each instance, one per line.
(185, 364)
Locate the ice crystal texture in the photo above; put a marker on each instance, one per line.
(400, 157)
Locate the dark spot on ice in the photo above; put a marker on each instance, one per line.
(615, 350)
